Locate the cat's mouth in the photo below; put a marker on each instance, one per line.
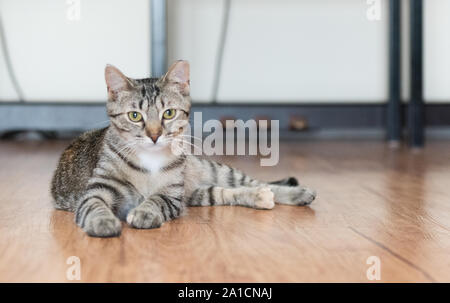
(149, 145)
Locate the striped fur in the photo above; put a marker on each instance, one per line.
(219, 184)
(118, 174)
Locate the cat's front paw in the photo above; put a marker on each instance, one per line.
(144, 218)
(103, 226)
(264, 198)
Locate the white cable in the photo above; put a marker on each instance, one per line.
(221, 48)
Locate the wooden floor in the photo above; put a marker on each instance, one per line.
(372, 201)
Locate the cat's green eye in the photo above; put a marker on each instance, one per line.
(169, 114)
(135, 116)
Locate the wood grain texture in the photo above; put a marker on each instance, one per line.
(372, 201)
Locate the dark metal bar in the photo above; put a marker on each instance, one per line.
(394, 123)
(331, 116)
(158, 50)
(416, 104)
(84, 116)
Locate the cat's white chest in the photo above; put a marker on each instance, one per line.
(149, 183)
(152, 162)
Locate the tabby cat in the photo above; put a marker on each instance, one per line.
(128, 171)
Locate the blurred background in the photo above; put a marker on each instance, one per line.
(322, 67)
(361, 90)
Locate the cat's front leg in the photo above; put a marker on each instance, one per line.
(154, 211)
(94, 212)
(95, 217)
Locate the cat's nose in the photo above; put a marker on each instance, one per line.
(155, 137)
(153, 131)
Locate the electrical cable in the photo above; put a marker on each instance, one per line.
(221, 48)
(9, 66)
(219, 57)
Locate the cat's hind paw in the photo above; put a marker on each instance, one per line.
(264, 198)
(304, 196)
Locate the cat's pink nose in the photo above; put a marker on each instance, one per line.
(155, 137)
(153, 131)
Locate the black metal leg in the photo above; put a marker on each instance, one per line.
(158, 47)
(416, 104)
(394, 123)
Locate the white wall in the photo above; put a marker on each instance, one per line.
(437, 51)
(285, 50)
(60, 60)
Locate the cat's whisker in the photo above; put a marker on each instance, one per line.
(178, 138)
(127, 146)
(196, 148)
(171, 140)
(184, 141)
(127, 150)
(190, 137)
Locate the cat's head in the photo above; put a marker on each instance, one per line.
(149, 113)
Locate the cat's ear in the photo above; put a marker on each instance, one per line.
(178, 75)
(116, 81)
